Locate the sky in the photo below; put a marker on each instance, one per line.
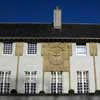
(41, 11)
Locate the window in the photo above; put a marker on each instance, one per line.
(86, 83)
(53, 82)
(32, 48)
(82, 82)
(30, 82)
(81, 50)
(5, 82)
(7, 49)
(59, 89)
(79, 81)
(56, 82)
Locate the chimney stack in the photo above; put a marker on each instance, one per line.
(57, 18)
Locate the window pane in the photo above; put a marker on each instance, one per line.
(81, 50)
(30, 82)
(82, 82)
(32, 48)
(56, 82)
(7, 49)
(5, 82)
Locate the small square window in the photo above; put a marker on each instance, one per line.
(7, 49)
(32, 48)
(81, 50)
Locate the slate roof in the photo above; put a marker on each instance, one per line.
(47, 31)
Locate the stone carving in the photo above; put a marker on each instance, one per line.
(56, 56)
(93, 49)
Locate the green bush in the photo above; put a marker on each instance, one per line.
(71, 91)
(13, 91)
(97, 92)
(42, 92)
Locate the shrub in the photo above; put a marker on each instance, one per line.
(71, 91)
(42, 92)
(97, 92)
(13, 91)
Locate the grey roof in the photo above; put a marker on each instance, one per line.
(47, 31)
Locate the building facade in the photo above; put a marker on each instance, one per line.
(51, 58)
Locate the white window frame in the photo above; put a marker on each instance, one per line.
(57, 77)
(5, 48)
(34, 48)
(13, 49)
(5, 81)
(81, 50)
(31, 78)
(83, 80)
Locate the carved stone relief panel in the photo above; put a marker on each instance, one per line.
(56, 56)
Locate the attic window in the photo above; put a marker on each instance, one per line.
(81, 49)
(32, 48)
(7, 48)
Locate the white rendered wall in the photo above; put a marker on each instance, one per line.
(35, 63)
(47, 82)
(30, 63)
(9, 63)
(81, 63)
(65, 82)
(97, 62)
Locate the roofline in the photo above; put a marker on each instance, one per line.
(49, 23)
(51, 40)
(82, 23)
(61, 38)
(24, 23)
